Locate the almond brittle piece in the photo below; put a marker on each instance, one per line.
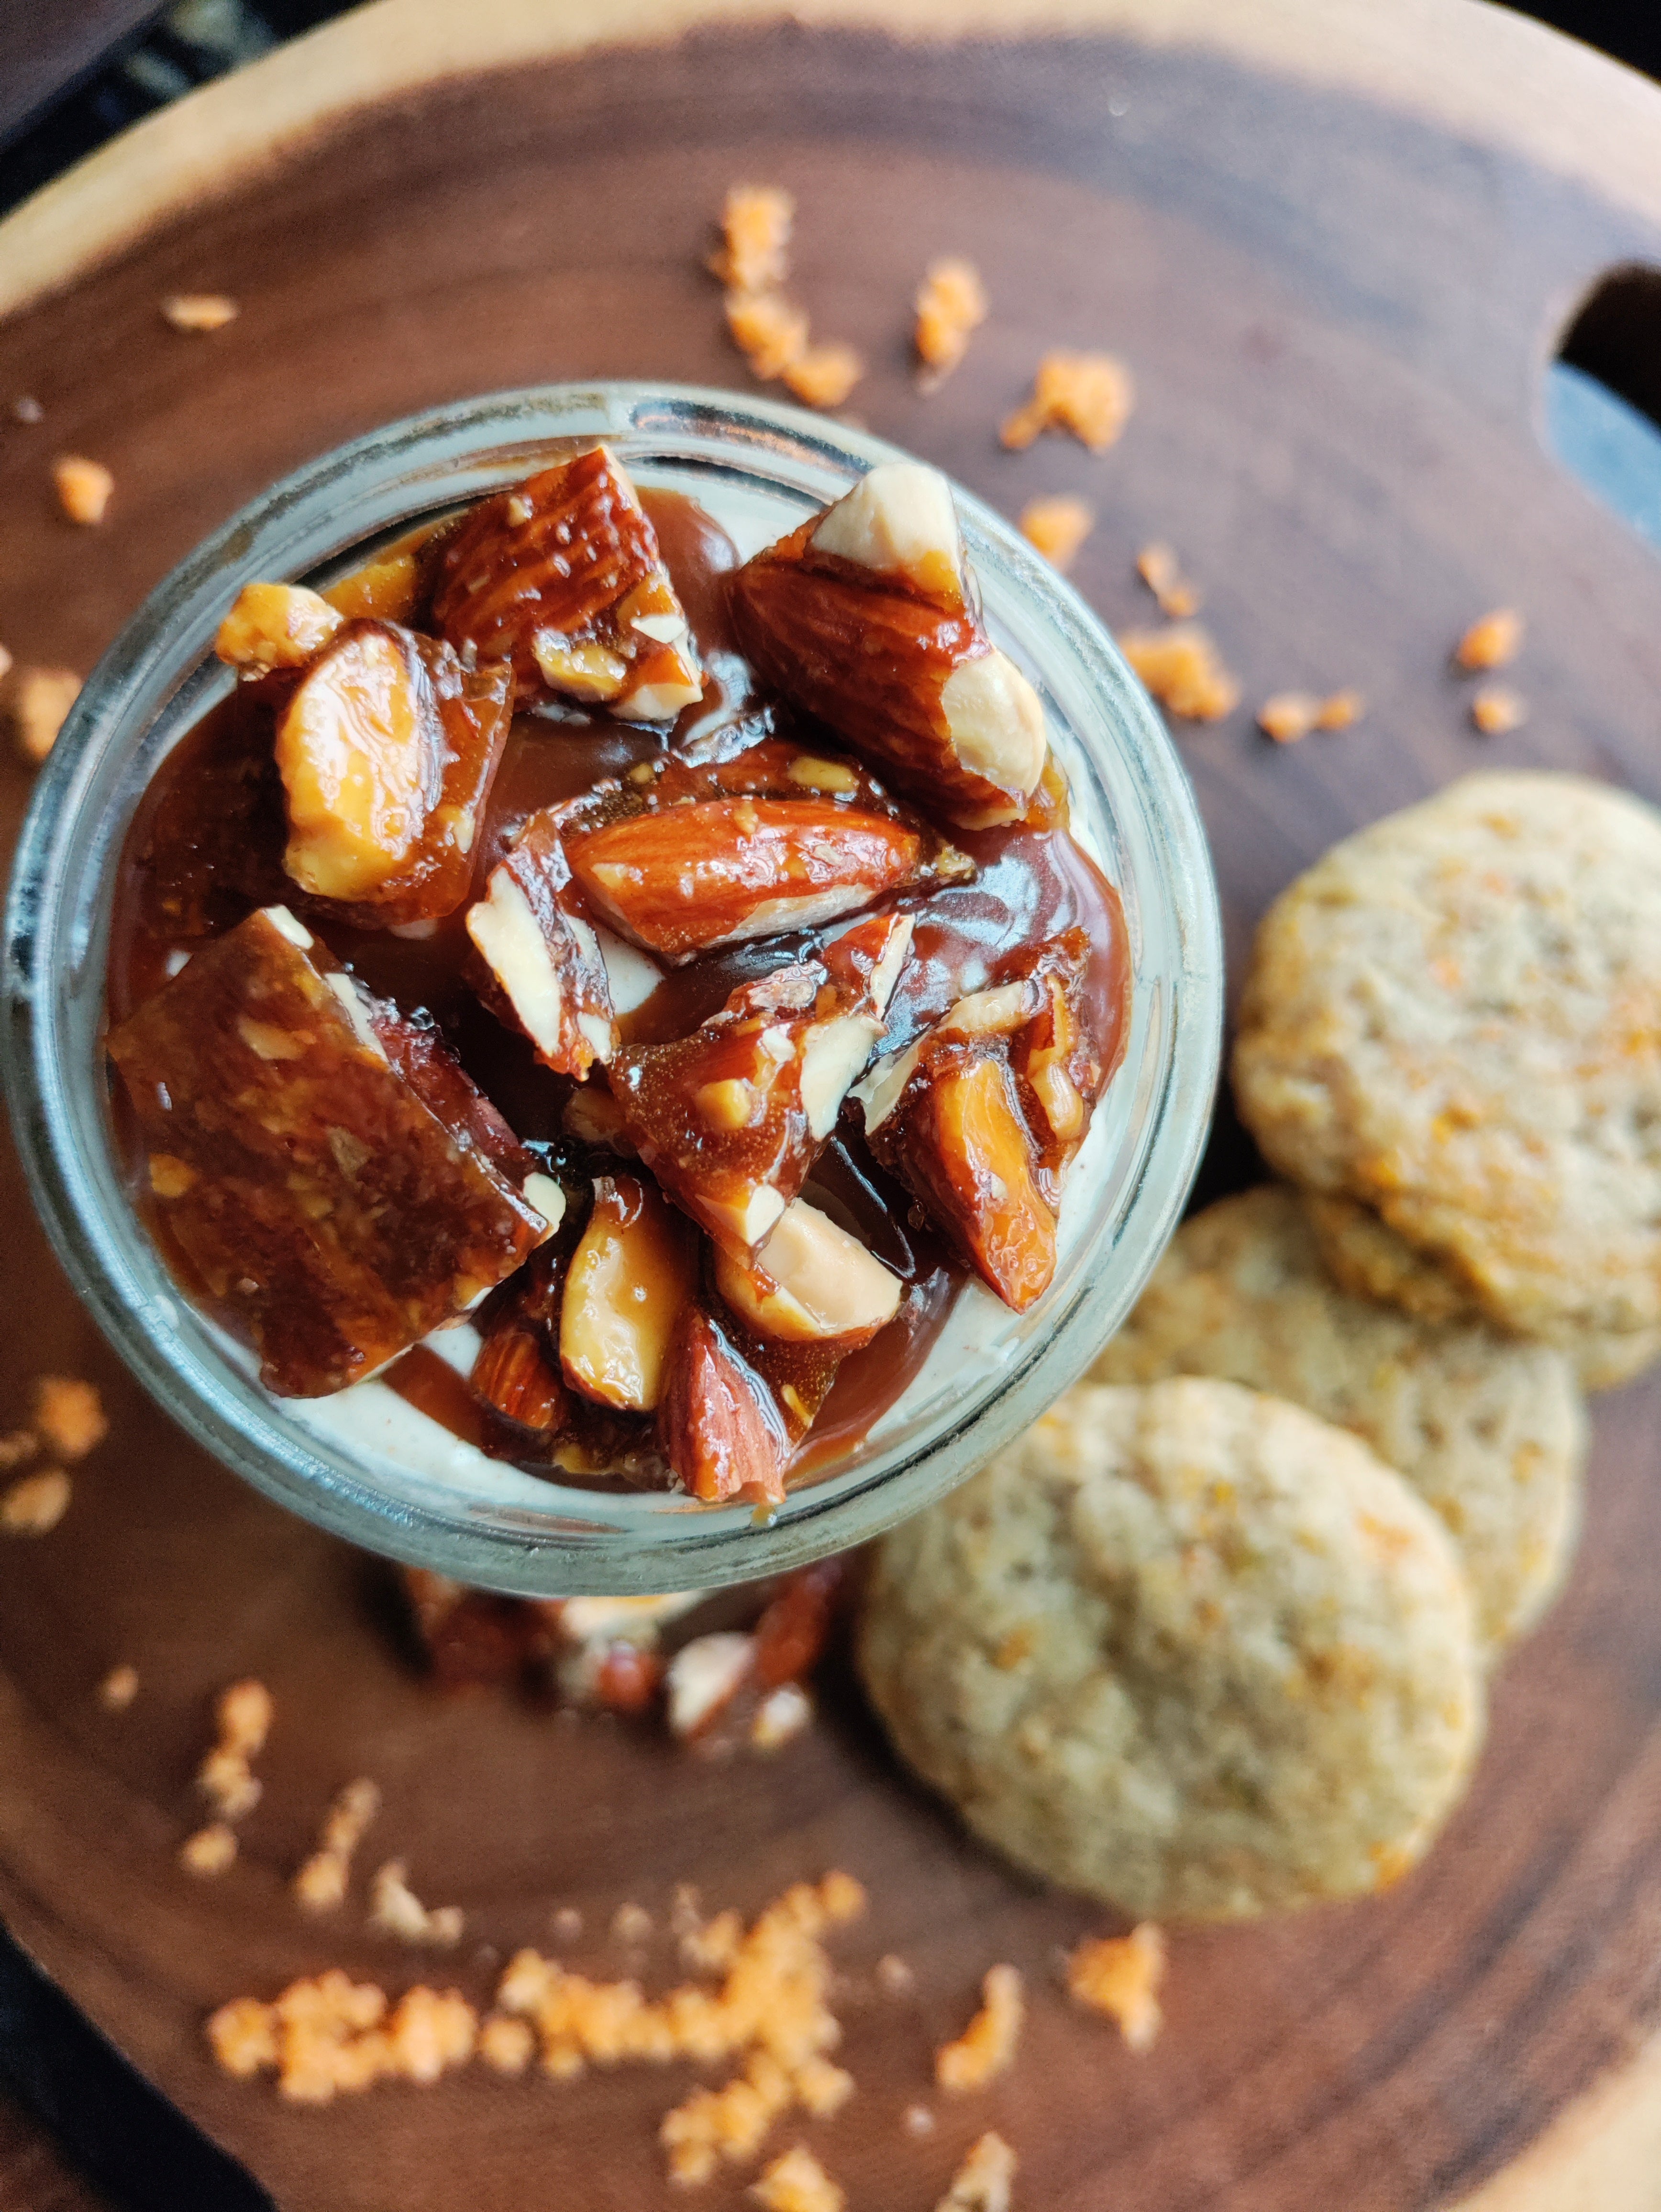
(276, 626)
(867, 618)
(1056, 1064)
(719, 1428)
(562, 577)
(634, 1272)
(539, 966)
(299, 1171)
(388, 750)
(730, 1119)
(813, 1283)
(681, 880)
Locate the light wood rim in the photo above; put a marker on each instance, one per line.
(1490, 77)
(1494, 77)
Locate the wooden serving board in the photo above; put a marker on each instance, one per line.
(1333, 242)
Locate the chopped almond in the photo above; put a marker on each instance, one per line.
(782, 1715)
(1089, 394)
(1492, 640)
(823, 375)
(35, 1504)
(118, 1688)
(395, 1909)
(1161, 570)
(984, 2182)
(69, 1414)
(276, 626)
(951, 304)
(37, 702)
(209, 1851)
(199, 311)
(769, 330)
(704, 1676)
(83, 486)
(1494, 710)
(1182, 670)
(1288, 716)
(797, 2182)
(321, 1884)
(1120, 1976)
(16, 1446)
(987, 2047)
(630, 1278)
(756, 224)
(1057, 527)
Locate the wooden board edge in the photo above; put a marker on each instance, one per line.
(1481, 71)
(1602, 2154)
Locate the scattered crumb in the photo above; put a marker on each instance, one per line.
(395, 1909)
(712, 1947)
(823, 375)
(984, 2181)
(199, 311)
(69, 1415)
(565, 1926)
(1339, 710)
(894, 1977)
(321, 1884)
(919, 2120)
(21, 1444)
(210, 1850)
(987, 2047)
(1288, 716)
(243, 1714)
(1120, 1976)
(118, 1688)
(951, 304)
(631, 1924)
(1182, 668)
(1161, 571)
(331, 2034)
(5, 662)
(1492, 640)
(797, 2182)
(704, 1676)
(1493, 710)
(505, 2043)
(38, 701)
(26, 408)
(686, 1911)
(35, 1504)
(1090, 394)
(754, 253)
(781, 1718)
(83, 486)
(769, 330)
(1057, 527)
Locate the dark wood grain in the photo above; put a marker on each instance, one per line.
(1337, 319)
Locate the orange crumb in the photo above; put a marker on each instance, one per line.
(1339, 710)
(1090, 394)
(1161, 570)
(987, 2047)
(1057, 527)
(755, 223)
(1493, 710)
(395, 1909)
(69, 1415)
(83, 486)
(1288, 716)
(35, 1504)
(243, 1714)
(118, 1688)
(1120, 1976)
(769, 330)
(321, 1884)
(331, 2034)
(823, 375)
(631, 1924)
(505, 2043)
(199, 311)
(210, 1850)
(19, 1445)
(894, 1977)
(243, 2034)
(984, 2182)
(951, 304)
(711, 1947)
(1492, 640)
(1182, 670)
(37, 702)
(797, 2182)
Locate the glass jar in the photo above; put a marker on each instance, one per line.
(760, 469)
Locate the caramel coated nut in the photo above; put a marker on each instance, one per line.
(276, 626)
(542, 969)
(631, 1276)
(811, 1283)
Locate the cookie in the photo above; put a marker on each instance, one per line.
(1453, 1020)
(1488, 1429)
(1186, 1648)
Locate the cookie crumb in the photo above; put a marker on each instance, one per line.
(69, 1415)
(797, 2182)
(894, 1977)
(756, 224)
(26, 408)
(823, 375)
(1089, 395)
(984, 2182)
(505, 2044)
(631, 1925)
(1339, 710)
(199, 311)
(769, 330)
(1120, 1976)
(83, 486)
(951, 306)
(37, 705)
(330, 2034)
(35, 1504)
(1057, 527)
(1162, 572)
(1492, 641)
(1182, 669)
(243, 1714)
(1494, 710)
(1288, 716)
(918, 2120)
(395, 1909)
(118, 1688)
(209, 1851)
(565, 1926)
(321, 1884)
(987, 2047)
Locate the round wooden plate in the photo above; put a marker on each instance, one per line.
(1333, 242)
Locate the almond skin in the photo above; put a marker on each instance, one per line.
(718, 1427)
(517, 1379)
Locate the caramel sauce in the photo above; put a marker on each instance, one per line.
(205, 846)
